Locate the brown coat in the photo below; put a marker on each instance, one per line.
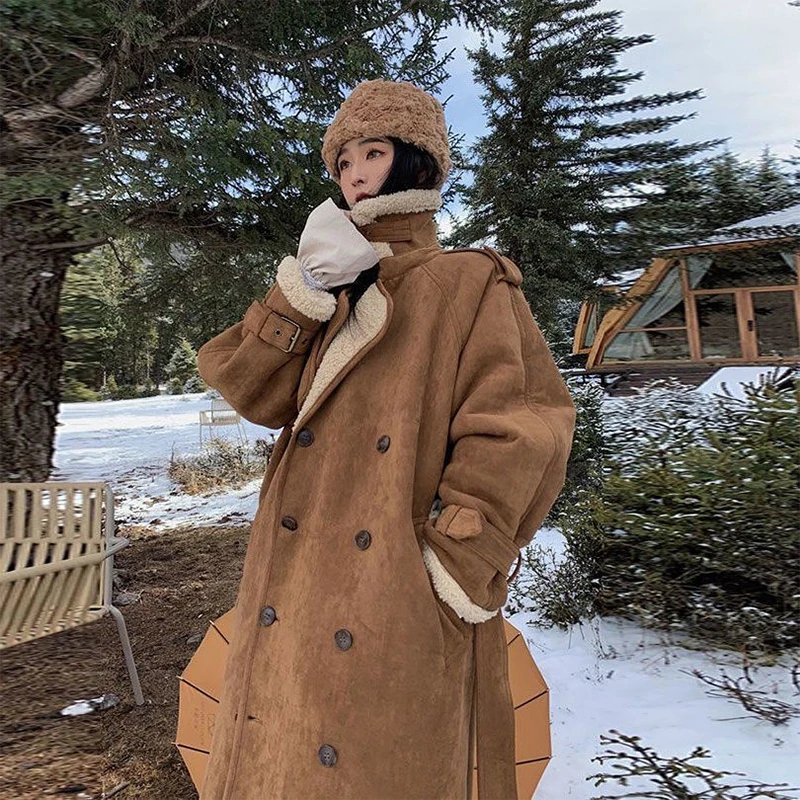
(351, 674)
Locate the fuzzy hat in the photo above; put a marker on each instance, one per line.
(389, 108)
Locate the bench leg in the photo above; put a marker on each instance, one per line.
(126, 648)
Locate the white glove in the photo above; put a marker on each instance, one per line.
(332, 252)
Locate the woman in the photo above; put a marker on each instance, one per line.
(425, 437)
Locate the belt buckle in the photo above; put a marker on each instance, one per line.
(295, 335)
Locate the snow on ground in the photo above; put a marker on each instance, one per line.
(612, 674)
(129, 443)
(602, 675)
(734, 378)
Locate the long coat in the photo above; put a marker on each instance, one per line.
(423, 442)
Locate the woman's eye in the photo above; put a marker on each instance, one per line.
(379, 152)
(343, 164)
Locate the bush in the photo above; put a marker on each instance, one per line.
(695, 526)
(559, 590)
(109, 389)
(126, 391)
(584, 468)
(175, 386)
(150, 389)
(194, 384)
(673, 777)
(222, 463)
(76, 392)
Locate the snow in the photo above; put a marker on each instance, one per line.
(602, 674)
(785, 218)
(624, 279)
(80, 707)
(734, 378)
(129, 444)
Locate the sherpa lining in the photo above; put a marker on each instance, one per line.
(410, 201)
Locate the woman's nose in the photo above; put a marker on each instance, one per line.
(355, 175)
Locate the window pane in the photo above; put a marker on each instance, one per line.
(649, 345)
(776, 323)
(719, 330)
(756, 266)
(591, 326)
(663, 306)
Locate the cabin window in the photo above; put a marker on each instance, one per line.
(596, 311)
(657, 330)
(754, 266)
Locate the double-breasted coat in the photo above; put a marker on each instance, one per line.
(423, 442)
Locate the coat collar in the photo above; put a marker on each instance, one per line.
(403, 231)
(401, 227)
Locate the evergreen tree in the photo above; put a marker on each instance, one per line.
(700, 196)
(556, 185)
(182, 366)
(774, 188)
(190, 122)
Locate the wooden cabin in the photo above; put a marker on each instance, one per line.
(732, 299)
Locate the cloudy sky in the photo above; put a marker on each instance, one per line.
(743, 54)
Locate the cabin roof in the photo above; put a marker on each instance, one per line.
(728, 234)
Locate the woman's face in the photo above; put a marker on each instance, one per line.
(363, 166)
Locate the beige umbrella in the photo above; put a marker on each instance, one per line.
(201, 686)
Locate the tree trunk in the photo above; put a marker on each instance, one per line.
(32, 270)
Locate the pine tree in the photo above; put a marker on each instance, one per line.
(698, 197)
(190, 123)
(556, 185)
(183, 364)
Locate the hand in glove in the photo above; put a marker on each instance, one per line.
(332, 252)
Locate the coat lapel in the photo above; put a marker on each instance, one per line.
(358, 334)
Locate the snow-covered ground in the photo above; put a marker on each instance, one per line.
(129, 443)
(602, 675)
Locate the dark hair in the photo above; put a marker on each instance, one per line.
(409, 160)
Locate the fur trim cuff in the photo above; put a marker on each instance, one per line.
(451, 592)
(411, 201)
(383, 249)
(316, 304)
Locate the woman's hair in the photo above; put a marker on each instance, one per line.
(409, 161)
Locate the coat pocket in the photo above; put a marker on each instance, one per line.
(453, 627)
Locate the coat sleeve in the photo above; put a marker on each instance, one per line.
(257, 363)
(510, 436)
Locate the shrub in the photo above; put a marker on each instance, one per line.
(194, 384)
(221, 463)
(673, 777)
(109, 389)
(76, 392)
(559, 590)
(695, 525)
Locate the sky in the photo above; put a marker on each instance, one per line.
(743, 54)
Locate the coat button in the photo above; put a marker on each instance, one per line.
(305, 437)
(343, 639)
(267, 615)
(327, 755)
(383, 444)
(290, 523)
(363, 539)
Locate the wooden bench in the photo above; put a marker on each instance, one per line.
(57, 547)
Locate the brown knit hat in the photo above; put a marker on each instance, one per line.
(389, 108)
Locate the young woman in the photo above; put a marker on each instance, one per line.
(425, 436)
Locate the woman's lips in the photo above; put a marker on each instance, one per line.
(362, 196)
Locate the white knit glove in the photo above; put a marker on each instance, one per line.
(332, 252)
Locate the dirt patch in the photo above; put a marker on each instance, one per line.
(186, 578)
